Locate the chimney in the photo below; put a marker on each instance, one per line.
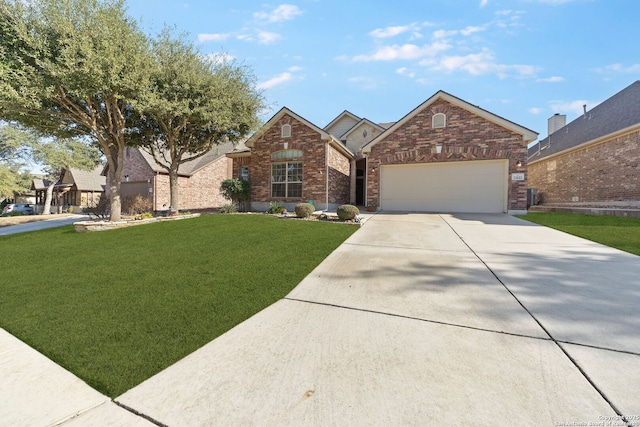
(556, 122)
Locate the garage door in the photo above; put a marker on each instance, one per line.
(471, 186)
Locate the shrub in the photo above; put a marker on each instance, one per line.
(230, 208)
(304, 210)
(237, 190)
(347, 212)
(147, 215)
(275, 208)
(101, 210)
(135, 205)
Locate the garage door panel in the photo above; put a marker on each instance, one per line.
(473, 186)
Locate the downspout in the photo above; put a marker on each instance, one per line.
(326, 161)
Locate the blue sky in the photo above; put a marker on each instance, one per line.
(521, 59)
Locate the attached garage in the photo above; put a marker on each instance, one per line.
(470, 186)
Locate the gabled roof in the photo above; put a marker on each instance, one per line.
(527, 134)
(191, 167)
(89, 180)
(360, 123)
(285, 111)
(340, 116)
(617, 114)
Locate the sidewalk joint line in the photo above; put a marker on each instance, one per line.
(557, 343)
(402, 316)
(140, 414)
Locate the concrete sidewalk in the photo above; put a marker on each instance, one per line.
(424, 319)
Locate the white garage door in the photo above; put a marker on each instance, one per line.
(471, 186)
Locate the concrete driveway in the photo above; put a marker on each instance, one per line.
(426, 319)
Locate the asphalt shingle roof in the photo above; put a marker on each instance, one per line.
(191, 167)
(619, 112)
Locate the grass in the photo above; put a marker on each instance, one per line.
(617, 232)
(116, 307)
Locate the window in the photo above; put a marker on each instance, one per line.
(244, 173)
(286, 179)
(286, 154)
(286, 131)
(438, 120)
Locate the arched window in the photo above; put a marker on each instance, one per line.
(286, 131)
(286, 154)
(439, 120)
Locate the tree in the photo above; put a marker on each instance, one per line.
(236, 190)
(73, 68)
(14, 144)
(54, 155)
(195, 103)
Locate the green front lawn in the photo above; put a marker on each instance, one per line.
(617, 232)
(116, 307)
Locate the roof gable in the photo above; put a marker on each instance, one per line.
(527, 134)
(343, 122)
(92, 180)
(616, 114)
(360, 124)
(285, 111)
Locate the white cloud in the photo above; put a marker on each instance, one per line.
(265, 37)
(203, 38)
(619, 68)
(536, 110)
(284, 12)
(277, 80)
(382, 33)
(403, 71)
(406, 51)
(574, 107)
(483, 63)
(483, 3)
(553, 79)
(440, 34)
(471, 29)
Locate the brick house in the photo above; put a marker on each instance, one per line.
(594, 160)
(445, 155)
(198, 180)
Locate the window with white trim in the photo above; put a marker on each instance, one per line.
(286, 179)
(286, 131)
(439, 120)
(244, 172)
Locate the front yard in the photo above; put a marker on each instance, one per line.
(617, 232)
(118, 306)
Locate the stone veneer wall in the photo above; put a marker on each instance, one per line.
(466, 137)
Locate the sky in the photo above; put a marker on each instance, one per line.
(524, 60)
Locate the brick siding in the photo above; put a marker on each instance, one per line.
(600, 173)
(313, 161)
(466, 137)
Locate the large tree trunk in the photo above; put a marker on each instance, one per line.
(173, 188)
(46, 210)
(116, 164)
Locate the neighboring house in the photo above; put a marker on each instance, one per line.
(594, 160)
(446, 155)
(198, 180)
(76, 188)
(80, 188)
